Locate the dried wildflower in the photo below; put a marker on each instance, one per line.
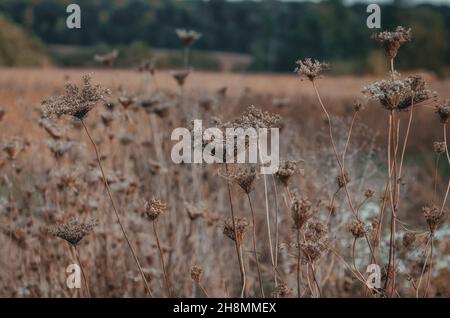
(310, 69)
(180, 76)
(188, 37)
(312, 250)
(147, 66)
(107, 59)
(127, 101)
(391, 41)
(77, 101)
(443, 111)
(154, 208)
(342, 180)
(283, 290)
(357, 228)
(433, 216)
(73, 231)
(286, 170)
(398, 94)
(369, 193)
(300, 212)
(256, 118)
(196, 274)
(241, 228)
(408, 239)
(439, 147)
(315, 232)
(13, 147)
(245, 178)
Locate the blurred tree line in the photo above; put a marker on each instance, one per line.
(274, 33)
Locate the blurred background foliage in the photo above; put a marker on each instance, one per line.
(272, 34)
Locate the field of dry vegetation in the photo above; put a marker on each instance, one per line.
(363, 180)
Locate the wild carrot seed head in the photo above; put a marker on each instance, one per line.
(391, 41)
(310, 69)
(73, 231)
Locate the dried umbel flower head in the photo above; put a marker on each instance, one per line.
(369, 193)
(283, 290)
(77, 101)
(73, 231)
(241, 228)
(433, 216)
(180, 76)
(300, 212)
(313, 250)
(288, 169)
(315, 232)
(408, 240)
(245, 178)
(357, 228)
(256, 118)
(443, 111)
(310, 69)
(127, 101)
(391, 41)
(398, 94)
(342, 180)
(439, 147)
(196, 274)
(154, 208)
(13, 147)
(108, 58)
(188, 37)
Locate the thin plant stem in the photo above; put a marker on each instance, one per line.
(77, 254)
(298, 264)
(275, 280)
(161, 256)
(254, 246)
(108, 190)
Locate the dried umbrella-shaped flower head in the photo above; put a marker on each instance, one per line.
(241, 228)
(398, 94)
(188, 37)
(180, 76)
(73, 231)
(255, 118)
(391, 41)
(342, 180)
(433, 216)
(77, 101)
(196, 274)
(300, 212)
(288, 169)
(283, 290)
(408, 240)
(245, 178)
(310, 69)
(107, 59)
(443, 111)
(439, 147)
(357, 228)
(154, 208)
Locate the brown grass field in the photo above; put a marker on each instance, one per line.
(189, 246)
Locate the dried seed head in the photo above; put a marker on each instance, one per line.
(73, 231)
(154, 208)
(357, 228)
(310, 69)
(107, 59)
(409, 239)
(342, 180)
(255, 118)
(439, 147)
(241, 228)
(369, 193)
(196, 274)
(433, 216)
(315, 232)
(180, 76)
(245, 178)
(312, 251)
(77, 101)
(188, 37)
(287, 169)
(399, 94)
(300, 212)
(283, 290)
(391, 41)
(443, 111)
